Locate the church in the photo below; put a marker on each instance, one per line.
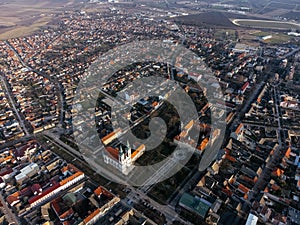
(118, 155)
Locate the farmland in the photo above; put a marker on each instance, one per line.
(19, 31)
(265, 24)
(22, 17)
(207, 19)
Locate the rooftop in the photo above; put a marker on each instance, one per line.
(195, 204)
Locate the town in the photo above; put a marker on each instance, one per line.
(74, 150)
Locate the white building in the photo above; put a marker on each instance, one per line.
(252, 219)
(120, 158)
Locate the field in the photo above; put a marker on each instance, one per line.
(207, 19)
(277, 38)
(225, 34)
(19, 31)
(265, 24)
(268, 9)
(251, 37)
(22, 17)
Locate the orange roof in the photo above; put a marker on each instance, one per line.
(189, 125)
(70, 167)
(239, 128)
(64, 169)
(154, 103)
(288, 152)
(98, 191)
(101, 190)
(8, 158)
(111, 135)
(183, 134)
(242, 188)
(230, 158)
(278, 172)
(204, 144)
(134, 154)
(63, 182)
(205, 107)
(139, 149)
(242, 55)
(91, 216)
(204, 126)
(258, 100)
(13, 197)
(255, 179)
(66, 214)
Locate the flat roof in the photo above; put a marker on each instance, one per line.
(196, 205)
(252, 220)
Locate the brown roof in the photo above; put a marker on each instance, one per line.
(113, 153)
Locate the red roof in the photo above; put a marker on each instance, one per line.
(245, 86)
(230, 158)
(100, 190)
(26, 192)
(55, 205)
(47, 191)
(227, 192)
(66, 214)
(239, 128)
(5, 171)
(114, 153)
(13, 197)
(36, 188)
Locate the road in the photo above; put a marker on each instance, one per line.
(61, 143)
(166, 210)
(277, 115)
(279, 151)
(9, 215)
(291, 53)
(241, 113)
(141, 192)
(77, 154)
(169, 212)
(246, 106)
(13, 105)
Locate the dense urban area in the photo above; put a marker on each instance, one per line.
(250, 48)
